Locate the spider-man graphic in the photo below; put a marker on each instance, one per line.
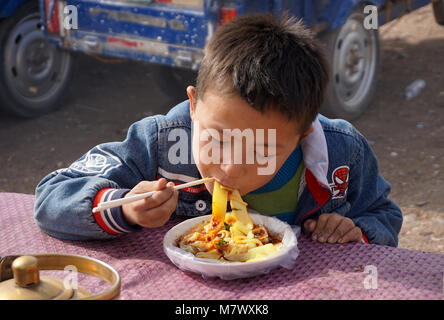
(340, 179)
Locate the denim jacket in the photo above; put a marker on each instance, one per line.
(341, 175)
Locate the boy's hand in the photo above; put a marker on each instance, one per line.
(333, 228)
(152, 212)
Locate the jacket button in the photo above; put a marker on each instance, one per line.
(201, 205)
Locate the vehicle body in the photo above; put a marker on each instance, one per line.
(174, 33)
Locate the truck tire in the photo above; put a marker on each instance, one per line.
(34, 74)
(354, 55)
(438, 10)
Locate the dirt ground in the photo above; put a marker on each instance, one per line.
(407, 136)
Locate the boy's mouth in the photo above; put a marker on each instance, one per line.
(223, 183)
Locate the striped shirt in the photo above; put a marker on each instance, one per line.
(279, 196)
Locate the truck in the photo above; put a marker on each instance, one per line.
(38, 39)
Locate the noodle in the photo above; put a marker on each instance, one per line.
(229, 236)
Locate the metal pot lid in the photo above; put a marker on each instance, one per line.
(21, 280)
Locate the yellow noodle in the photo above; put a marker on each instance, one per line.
(213, 254)
(233, 236)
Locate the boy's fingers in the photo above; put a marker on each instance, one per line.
(157, 217)
(327, 224)
(345, 225)
(309, 225)
(354, 235)
(161, 183)
(170, 204)
(161, 196)
(147, 186)
(322, 221)
(136, 212)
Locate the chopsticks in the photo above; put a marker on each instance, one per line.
(118, 202)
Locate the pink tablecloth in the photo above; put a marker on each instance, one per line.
(323, 271)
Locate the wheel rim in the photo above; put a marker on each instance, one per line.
(35, 69)
(354, 63)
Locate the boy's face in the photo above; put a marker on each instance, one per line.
(216, 113)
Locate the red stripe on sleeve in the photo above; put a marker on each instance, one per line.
(365, 238)
(99, 196)
(97, 215)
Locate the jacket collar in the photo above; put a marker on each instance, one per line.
(315, 153)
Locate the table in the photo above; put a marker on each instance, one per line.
(322, 271)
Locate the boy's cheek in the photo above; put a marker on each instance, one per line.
(269, 169)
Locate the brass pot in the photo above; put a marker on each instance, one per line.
(20, 278)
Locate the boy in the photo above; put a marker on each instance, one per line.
(265, 78)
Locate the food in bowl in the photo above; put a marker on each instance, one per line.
(229, 237)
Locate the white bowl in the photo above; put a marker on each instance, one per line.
(209, 268)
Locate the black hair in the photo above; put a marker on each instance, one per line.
(271, 62)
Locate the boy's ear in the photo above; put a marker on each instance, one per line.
(191, 92)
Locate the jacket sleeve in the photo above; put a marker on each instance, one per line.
(379, 218)
(65, 198)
